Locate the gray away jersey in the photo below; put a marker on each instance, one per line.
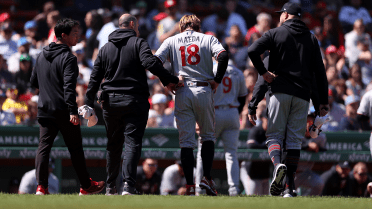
(231, 87)
(191, 54)
(365, 107)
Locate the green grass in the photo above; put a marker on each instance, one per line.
(175, 202)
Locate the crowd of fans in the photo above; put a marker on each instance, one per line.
(343, 31)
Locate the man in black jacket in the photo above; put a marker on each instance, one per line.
(122, 63)
(294, 59)
(55, 75)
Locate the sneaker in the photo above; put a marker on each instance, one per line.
(95, 187)
(276, 186)
(111, 191)
(41, 190)
(129, 190)
(289, 193)
(190, 190)
(209, 186)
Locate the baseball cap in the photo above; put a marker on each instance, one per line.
(291, 8)
(330, 92)
(344, 164)
(160, 16)
(25, 57)
(159, 98)
(22, 41)
(30, 24)
(169, 3)
(351, 99)
(4, 16)
(331, 49)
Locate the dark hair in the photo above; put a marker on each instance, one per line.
(97, 21)
(64, 26)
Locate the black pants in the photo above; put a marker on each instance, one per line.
(125, 119)
(72, 136)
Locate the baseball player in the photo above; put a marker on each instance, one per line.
(190, 53)
(365, 112)
(229, 101)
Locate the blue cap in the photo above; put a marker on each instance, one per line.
(30, 24)
(22, 41)
(351, 99)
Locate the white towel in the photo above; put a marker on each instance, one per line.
(89, 114)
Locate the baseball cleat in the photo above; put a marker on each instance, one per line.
(129, 190)
(209, 186)
(276, 186)
(190, 190)
(111, 191)
(289, 193)
(95, 188)
(41, 190)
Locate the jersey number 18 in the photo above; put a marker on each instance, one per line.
(192, 50)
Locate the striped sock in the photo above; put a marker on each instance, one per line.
(293, 156)
(274, 152)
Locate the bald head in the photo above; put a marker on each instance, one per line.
(125, 21)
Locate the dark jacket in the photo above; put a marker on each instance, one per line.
(122, 63)
(294, 56)
(55, 75)
(332, 183)
(261, 87)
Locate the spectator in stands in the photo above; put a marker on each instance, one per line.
(335, 179)
(351, 40)
(14, 105)
(332, 74)
(255, 175)
(31, 34)
(148, 178)
(349, 121)
(168, 26)
(13, 186)
(173, 181)
(182, 9)
(28, 183)
(31, 117)
(331, 56)
(151, 38)
(310, 182)
(358, 180)
(234, 41)
(337, 112)
(334, 5)
(364, 59)
(6, 117)
(84, 70)
(111, 23)
(159, 105)
(52, 20)
(5, 75)
(263, 25)
(221, 22)
(41, 19)
(349, 14)
(354, 84)
(331, 32)
(7, 45)
(23, 48)
(22, 77)
(94, 23)
(139, 12)
(340, 87)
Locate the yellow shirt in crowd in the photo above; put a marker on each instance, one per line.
(10, 103)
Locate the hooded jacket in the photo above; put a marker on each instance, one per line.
(55, 75)
(295, 57)
(122, 63)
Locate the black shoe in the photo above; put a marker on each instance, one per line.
(129, 190)
(289, 193)
(111, 191)
(276, 187)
